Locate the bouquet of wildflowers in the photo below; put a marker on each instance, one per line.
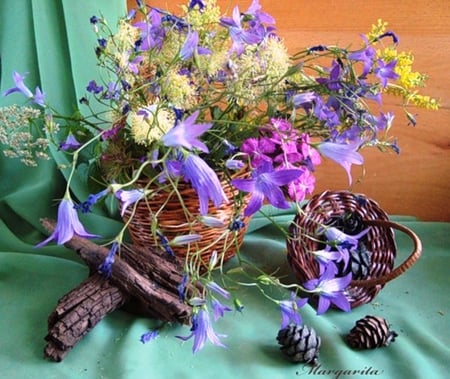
(216, 100)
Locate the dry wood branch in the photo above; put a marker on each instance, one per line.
(146, 279)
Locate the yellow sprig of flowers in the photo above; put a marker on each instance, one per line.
(409, 80)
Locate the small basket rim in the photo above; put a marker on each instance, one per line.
(380, 241)
(405, 265)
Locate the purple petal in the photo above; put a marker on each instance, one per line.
(341, 301)
(324, 304)
(343, 154)
(255, 203)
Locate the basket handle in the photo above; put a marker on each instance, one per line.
(400, 269)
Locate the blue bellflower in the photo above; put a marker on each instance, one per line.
(185, 134)
(366, 56)
(266, 183)
(289, 310)
(128, 197)
(67, 225)
(193, 3)
(38, 97)
(181, 288)
(343, 154)
(106, 267)
(218, 289)
(202, 330)
(85, 206)
(191, 47)
(205, 182)
(343, 242)
(219, 309)
(330, 289)
(385, 71)
(240, 36)
(149, 336)
(71, 143)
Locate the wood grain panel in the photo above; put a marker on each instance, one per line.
(417, 181)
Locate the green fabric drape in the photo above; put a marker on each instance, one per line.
(416, 305)
(54, 43)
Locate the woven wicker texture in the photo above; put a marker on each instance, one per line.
(178, 218)
(380, 241)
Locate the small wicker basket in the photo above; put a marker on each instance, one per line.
(177, 219)
(379, 240)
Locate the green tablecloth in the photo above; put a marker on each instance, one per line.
(52, 41)
(416, 305)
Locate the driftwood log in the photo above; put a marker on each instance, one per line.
(145, 280)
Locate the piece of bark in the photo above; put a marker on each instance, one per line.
(160, 300)
(78, 312)
(143, 280)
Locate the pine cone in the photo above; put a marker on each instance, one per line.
(370, 332)
(348, 222)
(299, 343)
(360, 261)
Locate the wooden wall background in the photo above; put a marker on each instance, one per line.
(416, 182)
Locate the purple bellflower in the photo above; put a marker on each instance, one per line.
(326, 256)
(38, 97)
(266, 183)
(106, 267)
(385, 71)
(128, 197)
(289, 310)
(186, 133)
(185, 239)
(205, 182)
(330, 289)
(300, 99)
(67, 225)
(149, 336)
(366, 56)
(219, 309)
(152, 32)
(202, 330)
(254, 10)
(343, 154)
(218, 289)
(333, 83)
(240, 36)
(85, 206)
(193, 3)
(71, 143)
(325, 112)
(181, 288)
(394, 37)
(190, 47)
(94, 88)
(343, 242)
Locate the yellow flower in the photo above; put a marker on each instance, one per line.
(423, 101)
(377, 30)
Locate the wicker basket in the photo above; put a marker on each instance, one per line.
(380, 241)
(177, 220)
